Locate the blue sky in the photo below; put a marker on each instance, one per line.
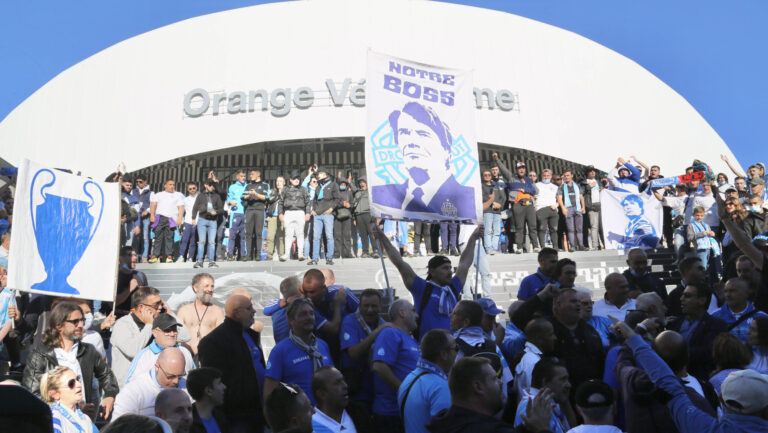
(713, 53)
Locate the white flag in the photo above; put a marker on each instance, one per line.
(420, 147)
(66, 234)
(630, 220)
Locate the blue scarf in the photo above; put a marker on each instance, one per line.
(431, 367)
(447, 299)
(66, 415)
(567, 198)
(706, 242)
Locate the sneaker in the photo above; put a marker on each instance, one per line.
(454, 251)
(536, 250)
(243, 259)
(329, 262)
(375, 256)
(365, 256)
(283, 258)
(198, 265)
(153, 259)
(302, 258)
(212, 265)
(443, 252)
(144, 260)
(312, 262)
(230, 258)
(519, 251)
(492, 252)
(169, 259)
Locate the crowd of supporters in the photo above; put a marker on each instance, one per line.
(641, 358)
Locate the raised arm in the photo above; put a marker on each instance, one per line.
(733, 169)
(468, 255)
(642, 164)
(405, 270)
(502, 168)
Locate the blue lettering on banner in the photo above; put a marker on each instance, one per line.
(416, 91)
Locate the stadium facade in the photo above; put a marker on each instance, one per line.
(280, 86)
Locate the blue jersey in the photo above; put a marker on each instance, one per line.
(532, 284)
(428, 396)
(280, 327)
(289, 364)
(401, 353)
(431, 318)
(235, 193)
(351, 334)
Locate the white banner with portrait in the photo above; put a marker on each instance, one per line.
(66, 234)
(630, 220)
(420, 148)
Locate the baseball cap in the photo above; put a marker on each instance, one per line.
(520, 164)
(745, 391)
(757, 181)
(295, 174)
(594, 393)
(489, 307)
(164, 321)
(730, 187)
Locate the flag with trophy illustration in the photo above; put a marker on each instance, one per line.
(420, 148)
(66, 234)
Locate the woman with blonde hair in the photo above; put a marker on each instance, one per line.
(61, 388)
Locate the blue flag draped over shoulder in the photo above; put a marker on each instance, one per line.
(630, 220)
(420, 147)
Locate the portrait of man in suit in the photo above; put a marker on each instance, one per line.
(425, 143)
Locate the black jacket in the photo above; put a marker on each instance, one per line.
(224, 348)
(754, 224)
(294, 198)
(201, 205)
(273, 203)
(197, 424)
(700, 362)
(581, 351)
(499, 196)
(457, 419)
(341, 212)
(645, 405)
(42, 359)
(646, 283)
(360, 202)
(253, 204)
(330, 200)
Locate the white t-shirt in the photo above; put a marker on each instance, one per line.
(710, 205)
(676, 203)
(189, 203)
(167, 203)
(604, 308)
(547, 195)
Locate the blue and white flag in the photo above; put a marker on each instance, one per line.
(66, 234)
(420, 148)
(630, 220)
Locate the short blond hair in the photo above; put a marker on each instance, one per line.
(699, 209)
(50, 382)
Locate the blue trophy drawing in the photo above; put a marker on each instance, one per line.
(63, 229)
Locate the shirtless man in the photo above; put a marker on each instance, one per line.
(201, 316)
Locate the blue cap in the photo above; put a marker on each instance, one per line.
(489, 307)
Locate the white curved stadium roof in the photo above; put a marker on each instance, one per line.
(573, 98)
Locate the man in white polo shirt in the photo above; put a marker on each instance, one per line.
(138, 397)
(166, 210)
(546, 208)
(616, 302)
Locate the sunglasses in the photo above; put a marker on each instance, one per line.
(76, 321)
(72, 382)
(171, 376)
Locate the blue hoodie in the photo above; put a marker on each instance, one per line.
(235, 193)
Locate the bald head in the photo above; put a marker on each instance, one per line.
(652, 304)
(170, 356)
(636, 254)
(673, 349)
(540, 332)
(242, 292)
(167, 398)
(513, 307)
(616, 288)
(235, 302)
(330, 278)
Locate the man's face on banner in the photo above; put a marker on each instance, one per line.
(632, 208)
(420, 145)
